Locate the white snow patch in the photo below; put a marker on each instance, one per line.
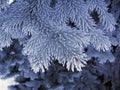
(4, 83)
(10, 1)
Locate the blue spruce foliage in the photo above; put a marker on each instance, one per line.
(60, 44)
(47, 23)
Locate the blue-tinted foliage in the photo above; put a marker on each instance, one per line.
(58, 29)
(58, 37)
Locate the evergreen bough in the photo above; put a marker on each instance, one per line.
(56, 30)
